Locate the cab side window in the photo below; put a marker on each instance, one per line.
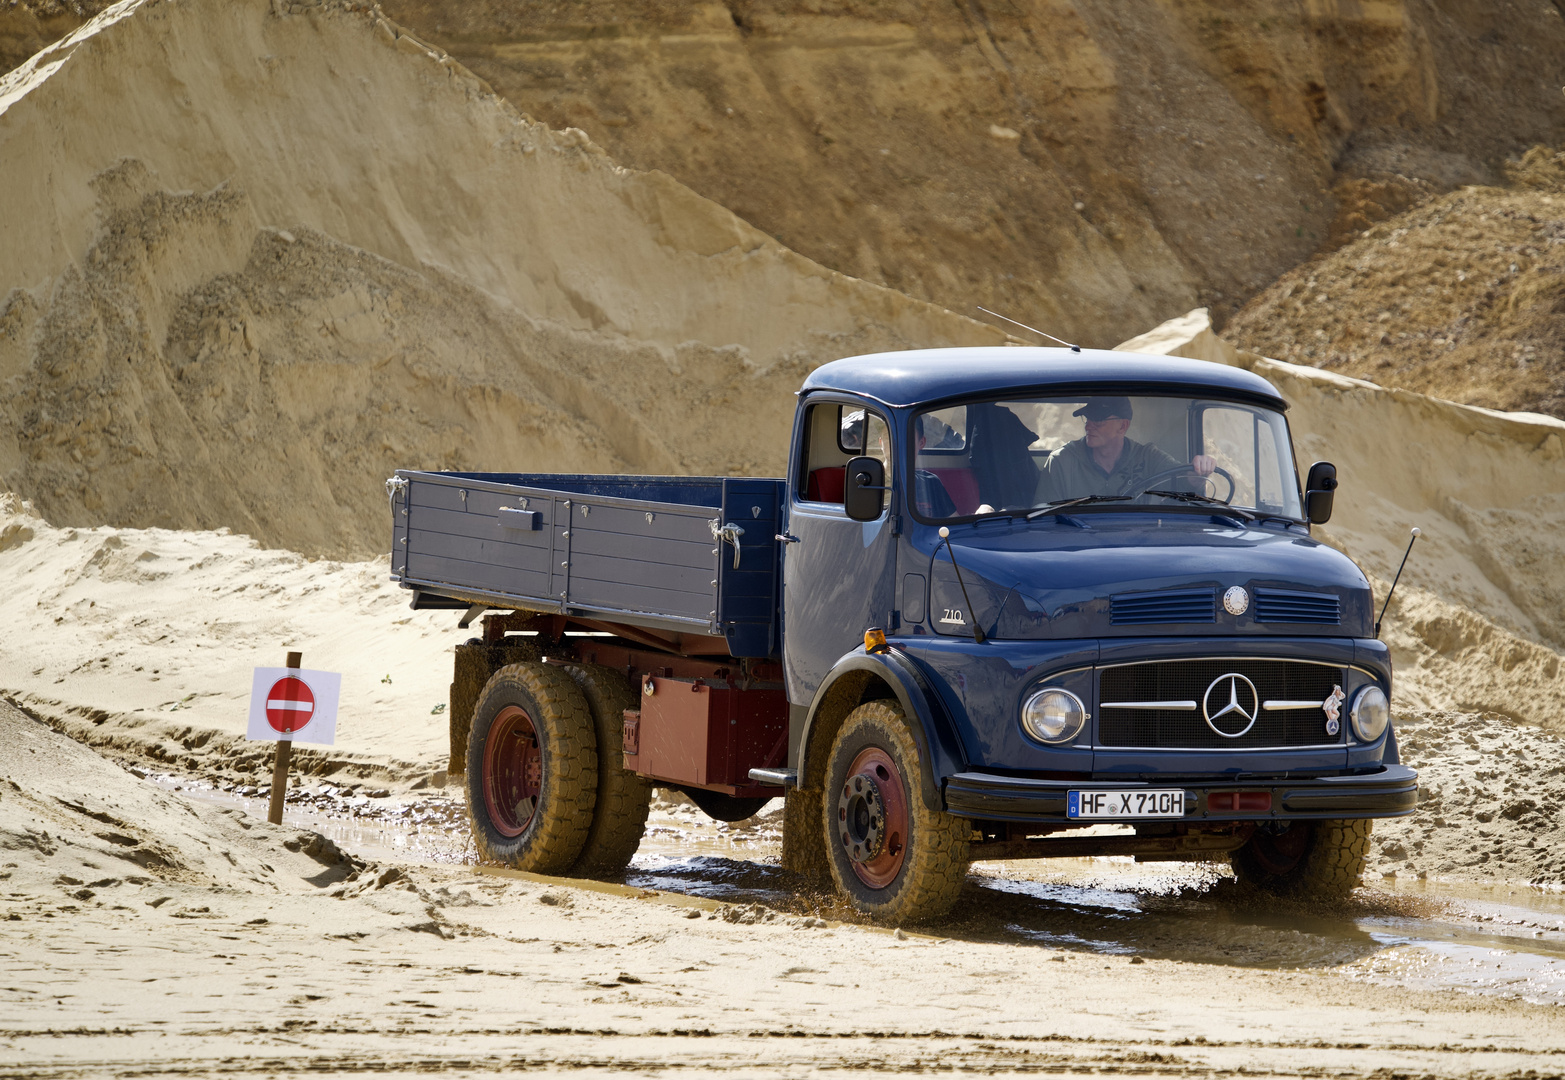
(834, 433)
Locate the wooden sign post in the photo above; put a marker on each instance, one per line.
(284, 756)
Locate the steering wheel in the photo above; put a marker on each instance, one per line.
(1188, 470)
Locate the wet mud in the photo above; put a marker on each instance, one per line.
(1506, 940)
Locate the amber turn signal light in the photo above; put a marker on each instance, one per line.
(875, 640)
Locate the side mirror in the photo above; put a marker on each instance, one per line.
(1320, 485)
(863, 495)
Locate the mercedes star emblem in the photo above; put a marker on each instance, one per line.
(1234, 696)
(1236, 601)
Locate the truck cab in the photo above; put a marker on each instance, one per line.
(1019, 593)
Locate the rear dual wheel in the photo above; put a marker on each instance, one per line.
(532, 769)
(619, 815)
(547, 787)
(891, 856)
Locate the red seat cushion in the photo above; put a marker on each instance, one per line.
(826, 485)
(962, 486)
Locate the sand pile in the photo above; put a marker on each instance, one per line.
(1462, 297)
(1091, 168)
(1489, 801)
(79, 832)
(141, 642)
(1478, 622)
(251, 262)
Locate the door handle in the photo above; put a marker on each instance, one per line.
(786, 538)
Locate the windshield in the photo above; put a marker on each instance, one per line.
(1114, 451)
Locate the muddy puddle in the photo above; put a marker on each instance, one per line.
(1505, 939)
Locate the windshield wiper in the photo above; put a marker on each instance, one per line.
(1193, 497)
(1082, 501)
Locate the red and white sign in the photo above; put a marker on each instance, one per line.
(288, 703)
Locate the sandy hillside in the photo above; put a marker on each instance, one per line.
(253, 262)
(1097, 165)
(1462, 297)
(146, 933)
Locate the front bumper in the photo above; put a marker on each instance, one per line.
(1390, 791)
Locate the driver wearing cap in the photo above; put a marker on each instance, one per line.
(1104, 461)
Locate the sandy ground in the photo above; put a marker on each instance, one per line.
(148, 933)
(143, 640)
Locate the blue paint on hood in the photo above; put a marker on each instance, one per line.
(1051, 579)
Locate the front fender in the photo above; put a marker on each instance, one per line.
(939, 751)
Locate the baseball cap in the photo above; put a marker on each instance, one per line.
(1104, 407)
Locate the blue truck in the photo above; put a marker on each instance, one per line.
(1004, 597)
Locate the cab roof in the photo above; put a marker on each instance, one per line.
(919, 376)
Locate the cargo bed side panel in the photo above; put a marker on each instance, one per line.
(599, 547)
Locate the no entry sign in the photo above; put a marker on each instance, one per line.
(288, 703)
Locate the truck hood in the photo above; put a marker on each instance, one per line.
(1120, 575)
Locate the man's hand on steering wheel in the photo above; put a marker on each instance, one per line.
(1186, 470)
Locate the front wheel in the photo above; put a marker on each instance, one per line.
(532, 769)
(892, 857)
(1322, 860)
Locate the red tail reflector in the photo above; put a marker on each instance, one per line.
(1242, 802)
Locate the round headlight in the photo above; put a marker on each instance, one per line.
(1053, 715)
(1370, 714)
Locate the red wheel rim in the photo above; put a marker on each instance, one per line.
(882, 870)
(513, 771)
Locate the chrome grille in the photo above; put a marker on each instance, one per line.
(1281, 605)
(1168, 606)
(1160, 695)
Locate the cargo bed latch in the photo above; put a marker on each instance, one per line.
(729, 533)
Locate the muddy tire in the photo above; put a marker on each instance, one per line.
(619, 815)
(892, 857)
(475, 662)
(532, 769)
(1320, 860)
(804, 838)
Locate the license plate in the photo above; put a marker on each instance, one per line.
(1125, 804)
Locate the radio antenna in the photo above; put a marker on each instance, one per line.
(945, 538)
(1383, 607)
(1024, 326)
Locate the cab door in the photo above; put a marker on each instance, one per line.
(839, 575)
